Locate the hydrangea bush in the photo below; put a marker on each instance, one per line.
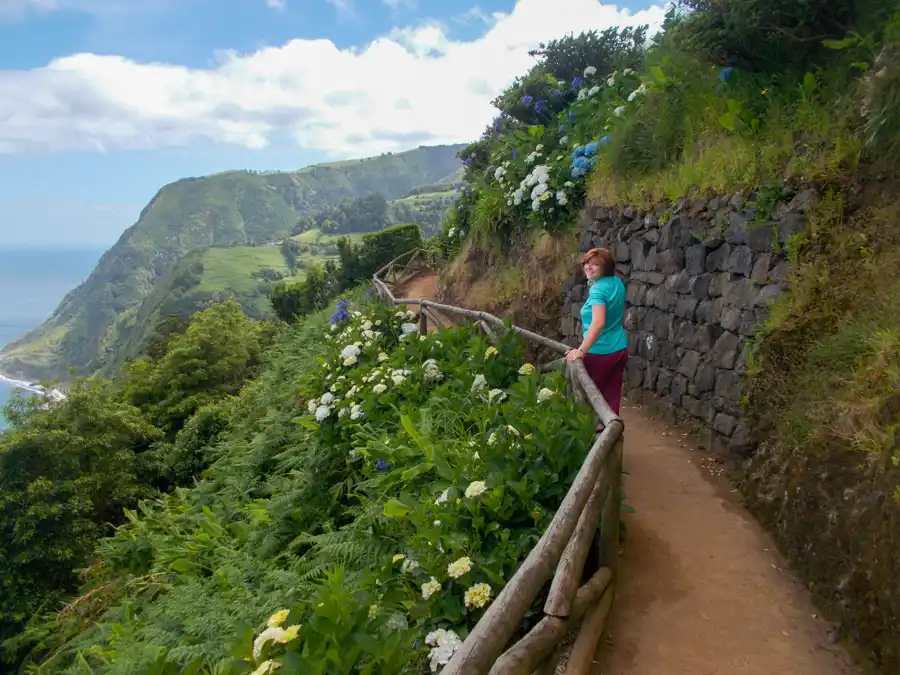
(457, 454)
(540, 169)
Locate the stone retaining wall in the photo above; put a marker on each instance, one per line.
(700, 275)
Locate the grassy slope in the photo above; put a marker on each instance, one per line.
(235, 207)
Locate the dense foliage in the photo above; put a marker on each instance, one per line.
(376, 485)
(67, 469)
(732, 94)
(357, 263)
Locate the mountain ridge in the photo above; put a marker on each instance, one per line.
(235, 207)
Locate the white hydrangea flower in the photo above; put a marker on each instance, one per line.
(343, 411)
(538, 190)
(511, 429)
(432, 371)
(476, 488)
(526, 369)
(398, 379)
(409, 565)
(492, 438)
(409, 329)
(326, 399)
(562, 198)
(430, 587)
(356, 412)
(497, 394)
(382, 357)
(479, 383)
(444, 644)
(459, 567)
(593, 91)
(444, 496)
(350, 350)
(312, 405)
(322, 412)
(590, 70)
(564, 140)
(582, 94)
(350, 361)
(545, 394)
(367, 325)
(379, 388)
(640, 91)
(266, 667)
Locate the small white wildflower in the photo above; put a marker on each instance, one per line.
(430, 587)
(349, 350)
(437, 523)
(511, 429)
(476, 488)
(544, 394)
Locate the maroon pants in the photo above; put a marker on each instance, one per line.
(607, 371)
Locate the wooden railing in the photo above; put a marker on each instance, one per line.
(593, 500)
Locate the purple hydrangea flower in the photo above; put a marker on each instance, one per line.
(577, 82)
(526, 100)
(381, 465)
(540, 106)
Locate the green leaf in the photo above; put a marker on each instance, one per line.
(394, 508)
(727, 121)
(658, 74)
(536, 130)
(417, 470)
(183, 565)
(627, 509)
(839, 44)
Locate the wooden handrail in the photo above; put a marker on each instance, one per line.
(562, 551)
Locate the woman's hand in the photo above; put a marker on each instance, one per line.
(574, 355)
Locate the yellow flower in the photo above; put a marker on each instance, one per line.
(290, 633)
(397, 557)
(526, 369)
(266, 667)
(278, 617)
(459, 567)
(764, 91)
(478, 595)
(489, 352)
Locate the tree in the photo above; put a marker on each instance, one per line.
(213, 358)
(66, 473)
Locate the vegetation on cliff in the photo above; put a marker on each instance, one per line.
(237, 207)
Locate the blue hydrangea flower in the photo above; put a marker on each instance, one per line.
(458, 187)
(725, 73)
(540, 106)
(381, 465)
(515, 153)
(468, 192)
(591, 148)
(577, 81)
(578, 152)
(605, 140)
(571, 115)
(526, 100)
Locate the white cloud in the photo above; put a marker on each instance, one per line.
(416, 85)
(397, 4)
(276, 4)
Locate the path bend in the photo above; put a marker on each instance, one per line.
(703, 590)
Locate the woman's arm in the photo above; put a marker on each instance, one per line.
(598, 320)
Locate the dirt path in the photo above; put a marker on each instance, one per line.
(703, 590)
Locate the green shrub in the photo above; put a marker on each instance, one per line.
(360, 261)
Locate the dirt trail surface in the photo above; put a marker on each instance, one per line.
(703, 590)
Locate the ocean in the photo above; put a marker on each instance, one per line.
(32, 283)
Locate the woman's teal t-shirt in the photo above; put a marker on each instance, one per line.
(610, 292)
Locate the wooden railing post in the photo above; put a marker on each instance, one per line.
(562, 551)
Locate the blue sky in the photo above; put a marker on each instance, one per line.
(105, 101)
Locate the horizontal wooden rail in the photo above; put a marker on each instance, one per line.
(592, 502)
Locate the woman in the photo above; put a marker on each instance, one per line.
(604, 345)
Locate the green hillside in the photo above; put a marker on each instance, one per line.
(235, 207)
